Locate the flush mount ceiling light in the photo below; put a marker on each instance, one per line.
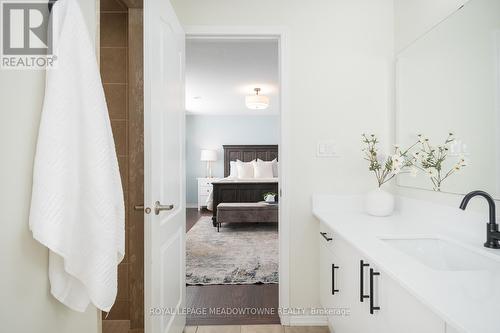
(257, 102)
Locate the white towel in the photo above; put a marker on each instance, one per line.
(77, 207)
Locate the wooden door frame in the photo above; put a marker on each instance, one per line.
(281, 35)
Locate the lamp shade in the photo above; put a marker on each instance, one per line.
(257, 102)
(208, 155)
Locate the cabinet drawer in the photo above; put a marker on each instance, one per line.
(402, 312)
(205, 182)
(386, 306)
(205, 190)
(202, 200)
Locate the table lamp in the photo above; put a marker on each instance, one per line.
(208, 156)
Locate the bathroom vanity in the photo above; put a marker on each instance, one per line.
(424, 269)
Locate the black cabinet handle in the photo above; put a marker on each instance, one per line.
(362, 295)
(325, 236)
(372, 307)
(333, 279)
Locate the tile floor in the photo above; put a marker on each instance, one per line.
(256, 329)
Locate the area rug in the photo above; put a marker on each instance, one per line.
(238, 254)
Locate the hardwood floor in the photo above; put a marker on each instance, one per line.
(193, 215)
(217, 304)
(220, 304)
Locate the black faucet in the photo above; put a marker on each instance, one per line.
(492, 234)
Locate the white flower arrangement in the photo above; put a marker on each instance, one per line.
(384, 167)
(421, 156)
(431, 160)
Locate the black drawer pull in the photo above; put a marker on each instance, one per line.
(362, 295)
(372, 307)
(333, 279)
(328, 239)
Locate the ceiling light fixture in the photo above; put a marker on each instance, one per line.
(257, 102)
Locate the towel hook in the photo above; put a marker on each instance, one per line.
(50, 4)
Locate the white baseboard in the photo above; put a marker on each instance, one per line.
(284, 319)
(191, 205)
(308, 320)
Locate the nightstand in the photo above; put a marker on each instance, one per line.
(204, 189)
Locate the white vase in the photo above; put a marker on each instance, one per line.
(379, 203)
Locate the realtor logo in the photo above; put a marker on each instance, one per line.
(26, 35)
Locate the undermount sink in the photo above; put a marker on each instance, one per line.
(440, 254)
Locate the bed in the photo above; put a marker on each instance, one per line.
(243, 190)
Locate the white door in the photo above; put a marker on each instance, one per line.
(164, 276)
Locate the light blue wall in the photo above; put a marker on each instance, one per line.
(211, 132)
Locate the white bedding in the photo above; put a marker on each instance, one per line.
(235, 165)
(247, 180)
(210, 201)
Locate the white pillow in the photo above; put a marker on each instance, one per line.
(263, 169)
(245, 169)
(274, 165)
(233, 170)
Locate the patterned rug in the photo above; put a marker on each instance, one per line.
(238, 254)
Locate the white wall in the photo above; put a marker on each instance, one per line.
(415, 17)
(26, 303)
(212, 132)
(341, 85)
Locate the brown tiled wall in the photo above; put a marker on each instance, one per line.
(114, 68)
(121, 55)
(136, 169)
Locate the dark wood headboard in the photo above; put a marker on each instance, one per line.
(247, 153)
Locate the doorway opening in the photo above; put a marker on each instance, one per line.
(125, 58)
(233, 126)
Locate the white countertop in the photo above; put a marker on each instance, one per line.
(469, 301)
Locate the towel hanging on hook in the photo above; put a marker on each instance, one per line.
(77, 208)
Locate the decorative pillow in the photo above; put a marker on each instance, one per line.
(263, 169)
(233, 170)
(274, 164)
(245, 169)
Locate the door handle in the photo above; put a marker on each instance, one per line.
(159, 207)
(147, 210)
(372, 301)
(325, 236)
(333, 279)
(362, 295)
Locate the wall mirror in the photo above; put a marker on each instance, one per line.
(448, 81)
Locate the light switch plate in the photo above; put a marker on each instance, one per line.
(327, 148)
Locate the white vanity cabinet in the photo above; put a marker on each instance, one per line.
(339, 293)
(394, 309)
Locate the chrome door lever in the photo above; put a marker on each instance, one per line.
(159, 207)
